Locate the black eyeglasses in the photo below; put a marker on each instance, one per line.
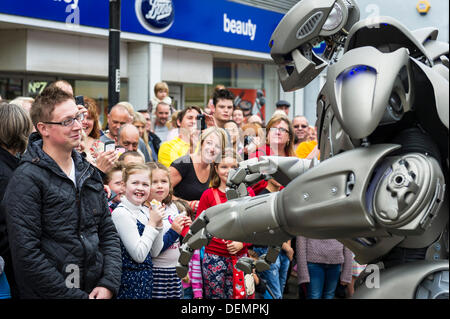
(279, 129)
(303, 126)
(69, 122)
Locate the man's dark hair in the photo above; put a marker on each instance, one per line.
(44, 104)
(222, 95)
(182, 113)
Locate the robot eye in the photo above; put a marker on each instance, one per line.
(334, 18)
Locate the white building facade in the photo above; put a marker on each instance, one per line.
(192, 45)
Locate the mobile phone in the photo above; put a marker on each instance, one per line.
(110, 146)
(201, 122)
(79, 100)
(247, 140)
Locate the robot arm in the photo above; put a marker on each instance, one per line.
(283, 170)
(360, 194)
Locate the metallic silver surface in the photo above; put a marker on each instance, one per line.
(382, 123)
(406, 281)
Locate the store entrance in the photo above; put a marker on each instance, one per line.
(175, 92)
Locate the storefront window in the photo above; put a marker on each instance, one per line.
(98, 90)
(195, 94)
(10, 88)
(244, 75)
(248, 82)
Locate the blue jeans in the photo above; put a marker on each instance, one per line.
(4, 287)
(188, 293)
(277, 274)
(323, 280)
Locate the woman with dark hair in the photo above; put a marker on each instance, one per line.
(14, 132)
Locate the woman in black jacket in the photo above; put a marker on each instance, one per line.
(14, 131)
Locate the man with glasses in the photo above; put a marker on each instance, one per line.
(63, 241)
(301, 130)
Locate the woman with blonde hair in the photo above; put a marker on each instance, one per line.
(190, 174)
(140, 122)
(173, 126)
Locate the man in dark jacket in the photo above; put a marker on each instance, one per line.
(62, 239)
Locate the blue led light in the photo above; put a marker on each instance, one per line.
(354, 71)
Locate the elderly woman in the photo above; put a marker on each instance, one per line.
(14, 131)
(279, 138)
(190, 174)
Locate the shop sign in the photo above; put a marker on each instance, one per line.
(36, 87)
(156, 16)
(215, 22)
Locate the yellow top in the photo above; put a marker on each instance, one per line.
(305, 148)
(171, 150)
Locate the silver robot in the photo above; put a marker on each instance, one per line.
(380, 187)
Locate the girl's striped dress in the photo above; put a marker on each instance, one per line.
(166, 284)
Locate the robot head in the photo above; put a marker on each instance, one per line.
(309, 23)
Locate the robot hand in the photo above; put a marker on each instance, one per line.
(282, 169)
(247, 219)
(263, 263)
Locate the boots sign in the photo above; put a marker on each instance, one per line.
(155, 15)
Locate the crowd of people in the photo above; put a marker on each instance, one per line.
(100, 213)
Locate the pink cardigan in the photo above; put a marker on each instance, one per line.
(195, 275)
